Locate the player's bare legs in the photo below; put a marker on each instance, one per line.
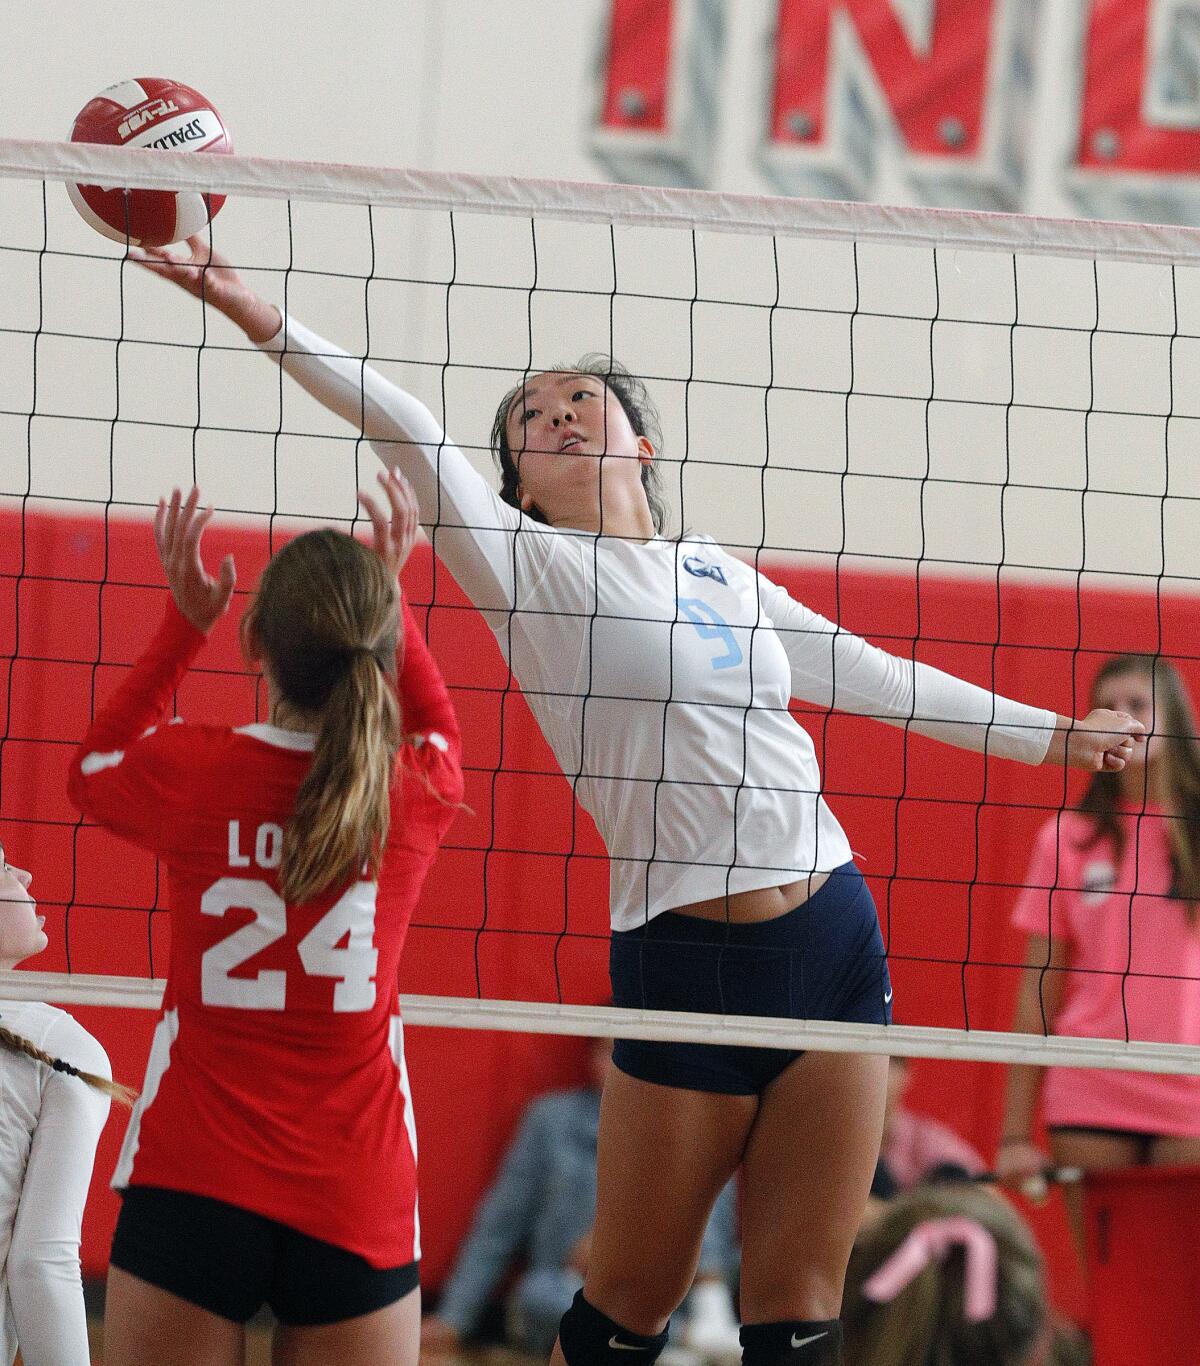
(146, 1326)
(806, 1175)
(808, 1150)
(663, 1155)
(388, 1337)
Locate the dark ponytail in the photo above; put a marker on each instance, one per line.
(639, 409)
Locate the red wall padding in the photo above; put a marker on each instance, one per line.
(1145, 1217)
(516, 905)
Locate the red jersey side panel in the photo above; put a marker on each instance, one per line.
(276, 1080)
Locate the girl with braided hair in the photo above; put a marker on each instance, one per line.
(55, 1088)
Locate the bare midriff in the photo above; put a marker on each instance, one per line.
(763, 903)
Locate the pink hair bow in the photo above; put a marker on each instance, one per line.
(930, 1242)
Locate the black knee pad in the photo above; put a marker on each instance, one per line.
(589, 1338)
(794, 1342)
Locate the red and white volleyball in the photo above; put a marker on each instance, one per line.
(149, 112)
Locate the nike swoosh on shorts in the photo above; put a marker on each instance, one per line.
(633, 1347)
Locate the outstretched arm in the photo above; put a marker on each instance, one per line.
(428, 710)
(429, 716)
(116, 775)
(473, 527)
(834, 668)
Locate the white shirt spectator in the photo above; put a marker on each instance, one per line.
(50, 1123)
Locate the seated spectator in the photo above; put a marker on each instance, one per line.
(950, 1276)
(917, 1149)
(542, 1204)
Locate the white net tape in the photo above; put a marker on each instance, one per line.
(609, 1022)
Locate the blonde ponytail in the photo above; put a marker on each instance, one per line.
(324, 621)
(340, 821)
(17, 1043)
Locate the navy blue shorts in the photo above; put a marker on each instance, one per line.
(822, 961)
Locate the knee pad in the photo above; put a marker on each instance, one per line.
(797, 1342)
(589, 1338)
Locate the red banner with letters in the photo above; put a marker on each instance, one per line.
(1089, 107)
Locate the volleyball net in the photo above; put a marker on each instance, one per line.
(971, 438)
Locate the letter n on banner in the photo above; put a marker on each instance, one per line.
(937, 85)
(1138, 150)
(656, 95)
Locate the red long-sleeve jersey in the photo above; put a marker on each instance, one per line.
(276, 1078)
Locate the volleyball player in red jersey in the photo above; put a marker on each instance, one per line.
(271, 1158)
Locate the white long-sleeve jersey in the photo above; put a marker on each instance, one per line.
(50, 1124)
(660, 672)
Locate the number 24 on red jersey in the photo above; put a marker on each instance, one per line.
(351, 918)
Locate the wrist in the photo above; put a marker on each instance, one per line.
(180, 621)
(259, 320)
(1056, 750)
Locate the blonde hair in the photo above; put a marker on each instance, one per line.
(325, 621)
(925, 1325)
(17, 1043)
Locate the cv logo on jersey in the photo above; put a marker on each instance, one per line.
(1089, 106)
(701, 569)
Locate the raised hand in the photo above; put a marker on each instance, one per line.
(207, 275)
(395, 529)
(1103, 741)
(178, 527)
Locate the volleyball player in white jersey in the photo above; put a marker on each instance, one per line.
(660, 672)
(54, 1092)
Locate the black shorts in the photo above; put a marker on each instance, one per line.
(824, 960)
(232, 1262)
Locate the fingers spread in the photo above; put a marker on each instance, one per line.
(379, 522)
(170, 522)
(190, 547)
(160, 525)
(227, 581)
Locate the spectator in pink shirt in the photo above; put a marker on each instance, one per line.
(1111, 906)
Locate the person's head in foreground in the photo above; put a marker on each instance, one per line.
(949, 1276)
